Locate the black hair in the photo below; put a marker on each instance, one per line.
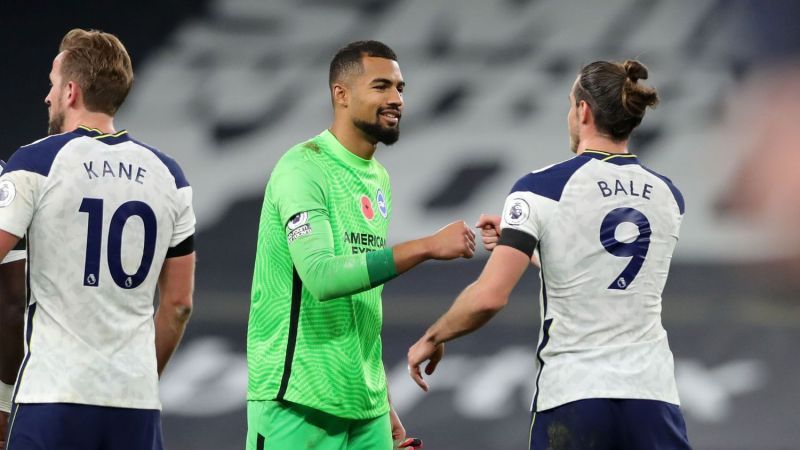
(348, 59)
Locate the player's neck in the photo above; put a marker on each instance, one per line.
(602, 144)
(98, 121)
(353, 140)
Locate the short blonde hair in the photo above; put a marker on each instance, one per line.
(100, 65)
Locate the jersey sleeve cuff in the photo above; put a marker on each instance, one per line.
(6, 395)
(519, 240)
(14, 255)
(380, 266)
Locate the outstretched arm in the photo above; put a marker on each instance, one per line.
(298, 188)
(473, 308)
(328, 276)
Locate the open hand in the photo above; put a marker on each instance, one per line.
(423, 350)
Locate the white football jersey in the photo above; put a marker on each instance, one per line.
(101, 213)
(604, 228)
(18, 252)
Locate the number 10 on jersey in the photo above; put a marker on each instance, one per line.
(94, 238)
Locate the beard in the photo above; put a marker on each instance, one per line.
(378, 133)
(55, 124)
(574, 141)
(574, 138)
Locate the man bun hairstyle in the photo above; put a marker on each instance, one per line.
(637, 97)
(617, 99)
(348, 59)
(100, 65)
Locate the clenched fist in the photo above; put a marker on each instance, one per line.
(490, 230)
(456, 240)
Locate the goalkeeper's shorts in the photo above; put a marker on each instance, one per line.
(274, 425)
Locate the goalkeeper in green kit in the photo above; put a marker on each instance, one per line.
(315, 375)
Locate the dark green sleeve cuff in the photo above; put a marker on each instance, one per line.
(380, 266)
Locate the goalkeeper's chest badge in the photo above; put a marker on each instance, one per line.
(380, 199)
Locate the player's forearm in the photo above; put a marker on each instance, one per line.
(481, 300)
(12, 319)
(175, 287)
(332, 277)
(411, 253)
(12, 330)
(328, 276)
(171, 323)
(473, 308)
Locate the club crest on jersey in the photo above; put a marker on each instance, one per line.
(297, 220)
(381, 201)
(518, 212)
(7, 193)
(366, 208)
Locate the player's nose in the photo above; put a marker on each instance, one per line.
(395, 98)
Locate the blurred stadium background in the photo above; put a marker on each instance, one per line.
(226, 86)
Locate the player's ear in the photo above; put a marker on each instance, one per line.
(340, 94)
(585, 115)
(72, 92)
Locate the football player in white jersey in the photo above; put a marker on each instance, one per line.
(603, 228)
(12, 307)
(108, 219)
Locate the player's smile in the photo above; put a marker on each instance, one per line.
(390, 116)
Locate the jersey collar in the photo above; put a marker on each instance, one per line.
(620, 159)
(106, 138)
(342, 153)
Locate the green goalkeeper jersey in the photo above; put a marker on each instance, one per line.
(315, 315)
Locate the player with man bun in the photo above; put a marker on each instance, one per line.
(603, 227)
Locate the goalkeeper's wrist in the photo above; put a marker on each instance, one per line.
(6, 395)
(380, 266)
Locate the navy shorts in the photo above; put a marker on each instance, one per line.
(610, 424)
(67, 426)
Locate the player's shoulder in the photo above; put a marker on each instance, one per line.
(169, 162)
(38, 156)
(380, 168)
(304, 150)
(550, 181)
(303, 157)
(676, 193)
